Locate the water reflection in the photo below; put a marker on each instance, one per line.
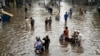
(44, 53)
(77, 49)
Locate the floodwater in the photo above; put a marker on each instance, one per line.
(16, 40)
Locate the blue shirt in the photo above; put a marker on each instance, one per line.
(65, 16)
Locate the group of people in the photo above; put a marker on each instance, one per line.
(49, 9)
(75, 38)
(43, 44)
(82, 11)
(48, 21)
(67, 14)
(29, 22)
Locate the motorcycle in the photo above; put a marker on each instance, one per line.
(75, 41)
(39, 49)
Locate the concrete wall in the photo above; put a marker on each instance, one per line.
(2, 3)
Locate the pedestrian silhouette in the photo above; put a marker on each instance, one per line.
(26, 9)
(46, 24)
(70, 12)
(50, 22)
(57, 17)
(50, 10)
(65, 18)
(46, 42)
(81, 11)
(27, 23)
(30, 4)
(32, 22)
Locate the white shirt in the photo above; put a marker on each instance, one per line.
(27, 22)
(38, 43)
(80, 37)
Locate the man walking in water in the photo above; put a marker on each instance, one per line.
(50, 21)
(32, 22)
(66, 34)
(25, 9)
(70, 12)
(66, 17)
(27, 23)
(46, 42)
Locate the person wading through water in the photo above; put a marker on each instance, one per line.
(46, 42)
(32, 22)
(66, 34)
(65, 18)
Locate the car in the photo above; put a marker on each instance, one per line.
(98, 8)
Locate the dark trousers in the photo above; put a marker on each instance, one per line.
(32, 25)
(46, 46)
(67, 39)
(65, 22)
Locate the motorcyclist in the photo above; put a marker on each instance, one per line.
(74, 37)
(79, 36)
(38, 44)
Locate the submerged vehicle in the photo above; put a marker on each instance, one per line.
(38, 45)
(38, 49)
(72, 40)
(98, 8)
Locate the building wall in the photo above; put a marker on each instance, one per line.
(2, 3)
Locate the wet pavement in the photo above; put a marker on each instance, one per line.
(16, 40)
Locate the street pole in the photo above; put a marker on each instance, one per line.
(44, 2)
(59, 10)
(59, 6)
(72, 2)
(14, 3)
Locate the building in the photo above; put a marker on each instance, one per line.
(2, 3)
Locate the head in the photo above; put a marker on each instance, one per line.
(47, 37)
(25, 17)
(70, 9)
(30, 17)
(64, 32)
(66, 27)
(80, 8)
(78, 32)
(38, 38)
(75, 32)
(66, 12)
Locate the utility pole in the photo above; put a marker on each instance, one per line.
(44, 2)
(14, 3)
(72, 2)
(59, 9)
(59, 6)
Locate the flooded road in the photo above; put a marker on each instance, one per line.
(16, 40)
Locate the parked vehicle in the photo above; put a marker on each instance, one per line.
(98, 8)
